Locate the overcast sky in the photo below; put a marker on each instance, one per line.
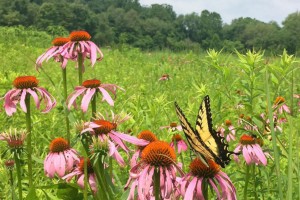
(263, 10)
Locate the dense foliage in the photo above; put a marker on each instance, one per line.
(114, 22)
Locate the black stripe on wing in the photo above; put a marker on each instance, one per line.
(221, 154)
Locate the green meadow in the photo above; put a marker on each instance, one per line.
(238, 83)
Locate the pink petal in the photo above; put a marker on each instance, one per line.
(22, 101)
(106, 96)
(71, 98)
(189, 194)
(87, 98)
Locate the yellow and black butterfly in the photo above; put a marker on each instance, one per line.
(204, 140)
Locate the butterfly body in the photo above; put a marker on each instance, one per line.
(204, 140)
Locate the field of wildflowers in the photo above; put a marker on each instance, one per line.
(84, 122)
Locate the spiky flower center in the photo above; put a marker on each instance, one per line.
(242, 116)
(147, 135)
(79, 36)
(89, 166)
(15, 143)
(279, 100)
(173, 124)
(247, 139)
(199, 169)
(105, 126)
(228, 122)
(159, 154)
(60, 41)
(25, 82)
(176, 137)
(9, 164)
(93, 83)
(59, 145)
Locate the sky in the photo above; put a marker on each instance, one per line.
(263, 10)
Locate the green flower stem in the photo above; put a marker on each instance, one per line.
(205, 189)
(19, 175)
(110, 167)
(11, 182)
(157, 184)
(29, 148)
(64, 73)
(182, 161)
(80, 67)
(246, 181)
(94, 106)
(275, 149)
(254, 181)
(86, 183)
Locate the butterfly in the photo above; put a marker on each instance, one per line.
(204, 140)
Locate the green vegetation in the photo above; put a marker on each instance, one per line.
(249, 79)
(117, 22)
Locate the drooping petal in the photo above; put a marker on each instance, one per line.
(87, 98)
(72, 97)
(106, 96)
(22, 100)
(131, 139)
(189, 194)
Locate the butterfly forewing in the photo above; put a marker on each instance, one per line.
(204, 125)
(192, 138)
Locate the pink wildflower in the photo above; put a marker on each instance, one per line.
(180, 143)
(160, 157)
(106, 131)
(23, 87)
(80, 44)
(231, 131)
(14, 138)
(54, 52)
(173, 127)
(251, 149)
(79, 173)
(164, 77)
(191, 183)
(280, 105)
(61, 158)
(145, 135)
(89, 89)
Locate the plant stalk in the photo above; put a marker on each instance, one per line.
(156, 184)
(64, 74)
(29, 148)
(246, 181)
(80, 68)
(275, 149)
(19, 175)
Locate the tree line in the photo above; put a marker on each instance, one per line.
(115, 22)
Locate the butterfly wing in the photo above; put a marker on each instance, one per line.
(213, 141)
(196, 144)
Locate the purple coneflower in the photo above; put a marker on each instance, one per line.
(145, 135)
(14, 138)
(231, 131)
(80, 44)
(173, 127)
(180, 143)
(24, 86)
(280, 105)
(89, 89)
(106, 131)
(164, 77)
(158, 158)
(54, 52)
(192, 183)
(79, 173)
(250, 146)
(61, 158)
